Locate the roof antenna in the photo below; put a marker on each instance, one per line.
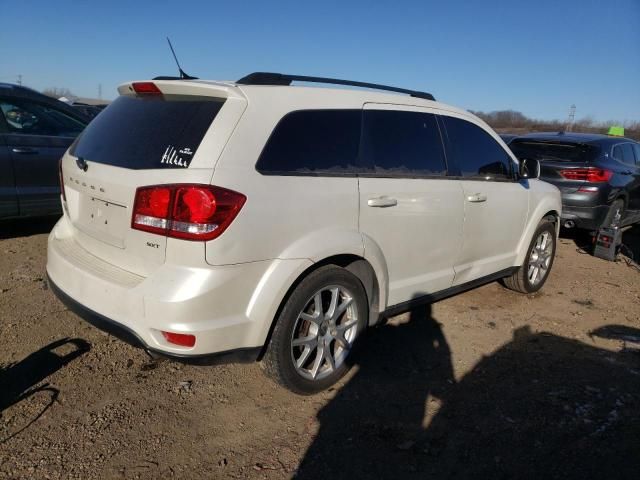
(183, 74)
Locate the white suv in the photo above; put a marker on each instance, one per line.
(256, 220)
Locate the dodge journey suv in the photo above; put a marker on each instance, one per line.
(256, 220)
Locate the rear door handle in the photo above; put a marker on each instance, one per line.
(24, 150)
(382, 202)
(477, 198)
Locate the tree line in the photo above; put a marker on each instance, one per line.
(511, 121)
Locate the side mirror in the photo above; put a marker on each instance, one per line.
(529, 168)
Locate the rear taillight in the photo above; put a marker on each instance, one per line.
(191, 212)
(61, 179)
(589, 174)
(151, 209)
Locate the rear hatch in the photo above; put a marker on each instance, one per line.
(554, 157)
(172, 134)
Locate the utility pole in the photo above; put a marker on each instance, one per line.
(572, 116)
(19, 79)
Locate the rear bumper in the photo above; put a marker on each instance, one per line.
(212, 303)
(587, 218)
(241, 355)
(586, 209)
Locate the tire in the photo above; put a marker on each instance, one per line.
(310, 349)
(617, 205)
(521, 281)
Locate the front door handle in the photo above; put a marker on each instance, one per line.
(382, 202)
(24, 150)
(477, 198)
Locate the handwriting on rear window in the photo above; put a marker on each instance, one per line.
(178, 157)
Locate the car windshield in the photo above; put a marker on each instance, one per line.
(554, 151)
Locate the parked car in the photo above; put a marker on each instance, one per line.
(262, 221)
(598, 175)
(35, 131)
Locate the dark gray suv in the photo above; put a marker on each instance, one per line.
(35, 131)
(598, 175)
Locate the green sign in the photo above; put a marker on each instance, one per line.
(616, 131)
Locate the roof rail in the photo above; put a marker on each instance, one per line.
(268, 78)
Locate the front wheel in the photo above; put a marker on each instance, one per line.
(314, 334)
(533, 273)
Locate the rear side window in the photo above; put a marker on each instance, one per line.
(402, 143)
(147, 132)
(310, 141)
(624, 153)
(636, 147)
(476, 152)
(554, 151)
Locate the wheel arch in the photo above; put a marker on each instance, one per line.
(542, 212)
(354, 264)
(554, 217)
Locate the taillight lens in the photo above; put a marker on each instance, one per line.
(151, 209)
(191, 212)
(590, 174)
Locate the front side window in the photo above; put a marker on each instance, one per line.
(402, 143)
(32, 118)
(476, 153)
(313, 141)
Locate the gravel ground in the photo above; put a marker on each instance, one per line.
(487, 384)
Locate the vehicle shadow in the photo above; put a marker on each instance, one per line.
(631, 240)
(21, 380)
(25, 227)
(541, 406)
(368, 429)
(582, 238)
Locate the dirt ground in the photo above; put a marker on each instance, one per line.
(487, 384)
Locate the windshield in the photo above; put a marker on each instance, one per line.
(147, 132)
(554, 151)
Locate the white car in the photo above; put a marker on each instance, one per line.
(256, 220)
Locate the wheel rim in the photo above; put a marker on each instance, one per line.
(540, 258)
(324, 332)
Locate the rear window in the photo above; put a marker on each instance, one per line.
(313, 141)
(554, 151)
(148, 132)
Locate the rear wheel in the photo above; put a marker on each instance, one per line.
(314, 335)
(533, 273)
